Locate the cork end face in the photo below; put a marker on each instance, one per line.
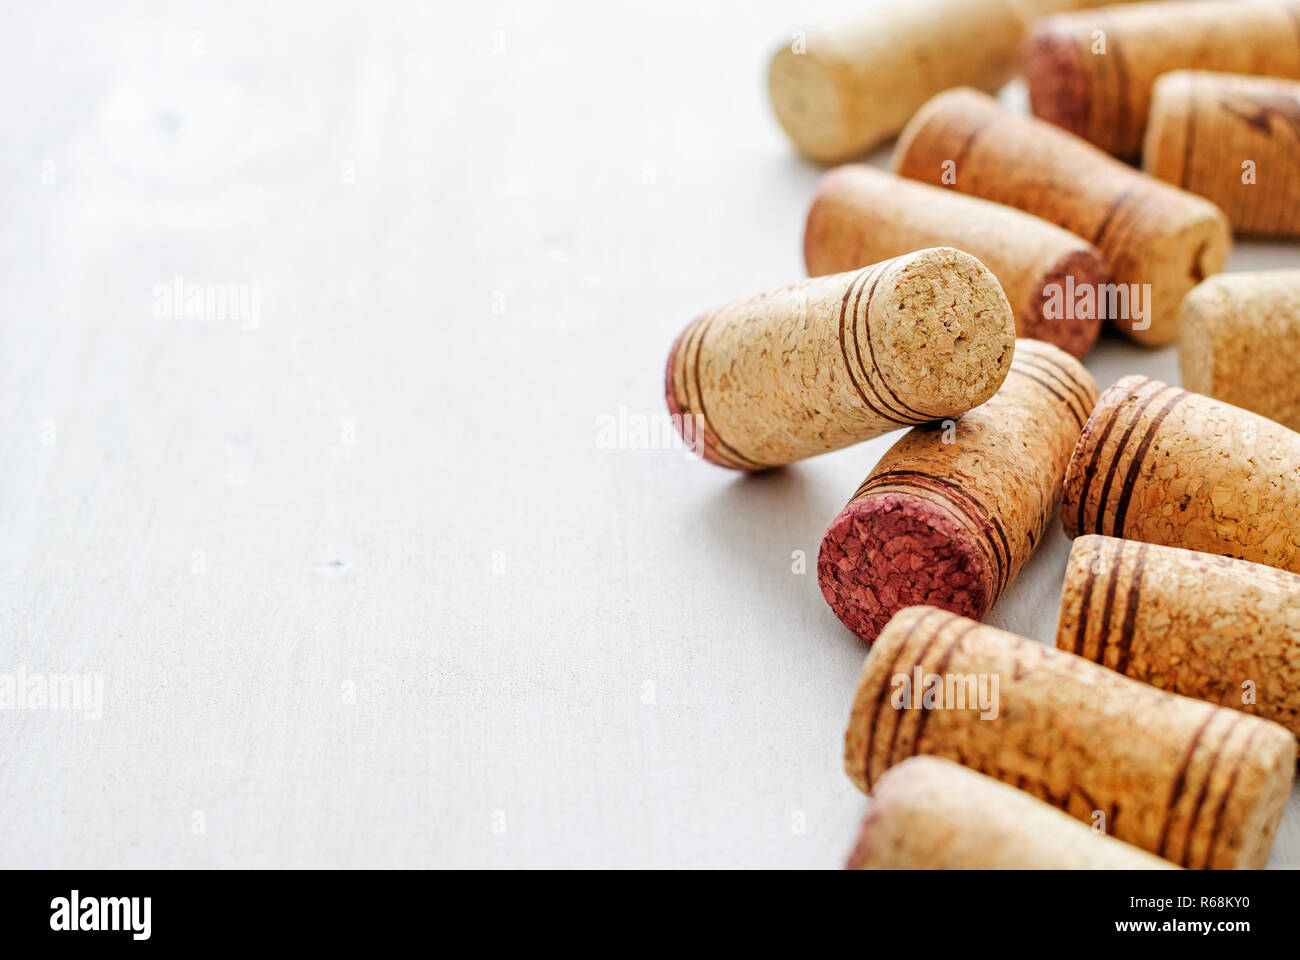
(1051, 316)
(808, 106)
(889, 551)
(1058, 86)
(943, 333)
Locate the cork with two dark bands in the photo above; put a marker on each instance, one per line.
(832, 361)
(1214, 628)
(952, 512)
(1197, 784)
(1234, 140)
(1163, 465)
(1092, 72)
(1158, 241)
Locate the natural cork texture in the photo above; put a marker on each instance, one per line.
(846, 89)
(1234, 140)
(861, 215)
(1162, 465)
(1149, 232)
(1240, 342)
(1217, 629)
(1199, 785)
(831, 361)
(952, 512)
(931, 814)
(1102, 93)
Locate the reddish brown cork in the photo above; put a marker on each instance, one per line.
(1234, 140)
(1158, 241)
(1197, 784)
(952, 512)
(1092, 72)
(832, 361)
(1162, 465)
(932, 814)
(861, 215)
(1217, 629)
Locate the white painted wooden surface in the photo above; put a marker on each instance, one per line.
(363, 587)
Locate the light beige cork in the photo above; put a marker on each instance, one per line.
(1234, 140)
(1162, 465)
(1157, 240)
(861, 215)
(1092, 72)
(1199, 785)
(931, 814)
(831, 361)
(1240, 342)
(1217, 629)
(842, 90)
(953, 511)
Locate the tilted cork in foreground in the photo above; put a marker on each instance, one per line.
(1158, 241)
(952, 512)
(1217, 629)
(1240, 342)
(1092, 72)
(831, 361)
(861, 215)
(931, 814)
(1197, 784)
(1234, 140)
(1159, 464)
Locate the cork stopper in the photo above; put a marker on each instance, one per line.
(835, 360)
(1158, 241)
(1234, 140)
(952, 512)
(861, 215)
(931, 814)
(1240, 342)
(1092, 72)
(1221, 630)
(840, 91)
(1162, 465)
(1197, 784)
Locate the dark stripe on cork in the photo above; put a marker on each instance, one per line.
(1112, 582)
(1130, 479)
(1188, 136)
(1050, 389)
(720, 446)
(898, 724)
(1085, 602)
(1130, 612)
(1122, 118)
(1093, 462)
(859, 283)
(907, 414)
(884, 694)
(1180, 782)
(939, 669)
(1062, 375)
(690, 372)
(1242, 754)
(979, 515)
(969, 144)
(1120, 447)
(1116, 205)
(1205, 788)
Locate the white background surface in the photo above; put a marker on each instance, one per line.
(474, 230)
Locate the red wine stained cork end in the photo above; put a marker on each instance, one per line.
(1071, 333)
(889, 551)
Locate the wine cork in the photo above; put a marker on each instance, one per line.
(1234, 140)
(1158, 241)
(1214, 628)
(831, 361)
(838, 92)
(861, 215)
(1092, 72)
(1240, 342)
(931, 814)
(952, 512)
(1162, 465)
(1199, 785)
